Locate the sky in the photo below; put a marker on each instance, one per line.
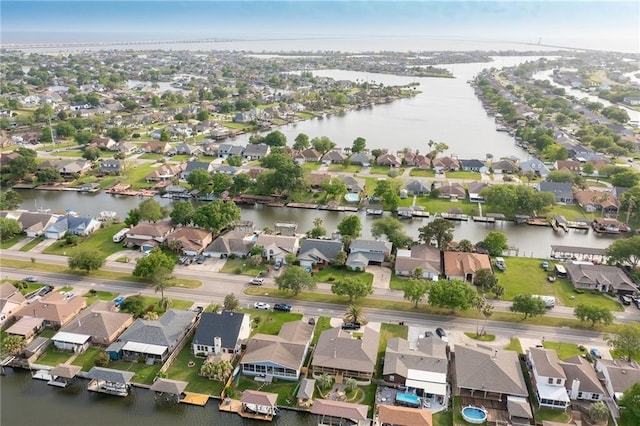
(488, 20)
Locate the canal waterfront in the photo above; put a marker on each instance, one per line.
(25, 402)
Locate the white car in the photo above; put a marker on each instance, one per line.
(262, 305)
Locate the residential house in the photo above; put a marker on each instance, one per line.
(393, 415)
(535, 166)
(389, 160)
(101, 322)
(338, 353)
(423, 257)
(105, 144)
(337, 413)
(452, 191)
(82, 226)
(110, 166)
(311, 155)
(504, 167)
(333, 157)
(423, 369)
(256, 151)
(281, 356)
(582, 381)
(276, 247)
(55, 309)
(57, 229)
(27, 328)
(232, 243)
(318, 252)
(568, 165)
(316, 180)
(226, 150)
(73, 342)
(157, 147)
(186, 149)
(363, 252)
(416, 187)
(125, 147)
(354, 186)
(592, 200)
(361, 159)
(549, 379)
(603, 278)
(189, 240)
(618, 376)
(227, 169)
(11, 299)
(34, 224)
(147, 235)
(152, 340)
(473, 166)
(195, 165)
(417, 160)
(475, 189)
(464, 266)
(562, 191)
(445, 164)
(165, 172)
(221, 333)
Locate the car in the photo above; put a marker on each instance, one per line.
(201, 259)
(595, 353)
(428, 334)
(118, 301)
(500, 264)
(257, 281)
(282, 307)
(45, 290)
(440, 332)
(277, 266)
(626, 300)
(351, 326)
(31, 279)
(262, 305)
(198, 308)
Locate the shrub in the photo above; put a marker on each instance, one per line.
(331, 278)
(102, 359)
(238, 270)
(578, 291)
(231, 256)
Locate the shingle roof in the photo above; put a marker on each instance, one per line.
(175, 387)
(164, 331)
(600, 274)
(259, 398)
(622, 374)
(110, 375)
(230, 242)
(307, 387)
(328, 248)
(225, 325)
(54, 307)
(404, 416)
(287, 349)
(458, 264)
(338, 349)
(99, 321)
(546, 362)
(399, 357)
(577, 368)
(343, 410)
(66, 371)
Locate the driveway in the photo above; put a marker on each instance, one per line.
(381, 276)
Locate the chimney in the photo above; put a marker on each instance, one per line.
(217, 345)
(335, 353)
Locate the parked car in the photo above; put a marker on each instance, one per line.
(31, 279)
(45, 290)
(262, 305)
(595, 353)
(351, 326)
(198, 308)
(118, 301)
(201, 259)
(626, 300)
(277, 266)
(282, 307)
(500, 264)
(257, 281)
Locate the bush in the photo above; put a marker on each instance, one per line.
(238, 270)
(102, 359)
(231, 256)
(331, 278)
(578, 291)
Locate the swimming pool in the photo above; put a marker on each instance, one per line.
(352, 198)
(475, 415)
(407, 399)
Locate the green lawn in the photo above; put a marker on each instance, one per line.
(382, 170)
(11, 241)
(322, 324)
(310, 166)
(231, 266)
(99, 295)
(563, 290)
(30, 287)
(88, 359)
(269, 322)
(48, 333)
(396, 282)
(564, 350)
(422, 173)
(137, 176)
(144, 373)
(330, 274)
(180, 370)
(284, 388)
(53, 357)
(31, 244)
(463, 175)
(175, 304)
(483, 338)
(457, 415)
(569, 211)
(443, 418)
(388, 331)
(351, 168)
(151, 156)
(514, 345)
(441, 205)
(101, 240)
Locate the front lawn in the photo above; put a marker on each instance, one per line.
(563, 290)
(514, 345)
(101, 240)
(322, 324)
(93, 296)
(422, 173)
(388, 331)
(30, 287)
(330, 274)
(483, 338)
(524, 276)
(564, 350)
(180, 370)
(351, 168)
(175, 304)
(144, 373)
(11, 241)
(53, 357)
(88, 359)
(31, 244)
(463, 175)
(310, 166)
(269, 322)
(242, 266)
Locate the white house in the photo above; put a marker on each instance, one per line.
(77, 343)
(548, 377)
(221, 333)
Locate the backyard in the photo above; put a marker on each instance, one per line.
(88, 359)
(180, 370)
(144, 373)
(284, 388)
(53, 356)
(101, 240)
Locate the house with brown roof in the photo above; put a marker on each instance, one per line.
(592, 200)
(603, 278)
(34, 224)
(331, 412)
(464, 266)
(101, 322)
(393, 415)
(55, 308)
(280, 356)
(105, 144)
(582, 380)
(260, 402)
(311, 155)
(548, 377)
(316, 180)
(11, 300)
(157, 147)
(389, 160)
(474, 189)
(147, 235)
(568, 165)
(339, 353)
(417, 160)
(504, 166)
(422, 256)
(166, 172)
(333, 157)
(234, 242)
(445, 164)
(451, 190)
(26, 327)
(189, 240)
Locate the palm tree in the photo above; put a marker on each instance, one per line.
(350, 384)
(160, 279)
(324, 381)
(355, 314)
(598, 412)
(13, 345)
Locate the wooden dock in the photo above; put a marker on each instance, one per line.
(310, 206)
(484, 219)
(235, 406)
(538, 221)
(195, 399)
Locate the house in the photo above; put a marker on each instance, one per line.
(361, 159)
(389, 160)
(165, 172)
(105, 144)
(548, 377)
(218, 333)
(276, 247)
(452, 191)
(152, 340)
(34, 224)
(569, 165)
(618, 376)
(27, 328)
(226, 150)
(422, 256)
(195, 165)
(101, 322)
(603, 278)
(473, 166)
(186, 149)
(333, 157)
(363, 252)
(157, 147)
(582, 381)
(189, 240)
(535, 166)
(55, 309)
(475, 189)
(147, 235)
(445, 164)
(317, 180)
(592, 200)
(259, 402)
(416, 187)
(311, 155)
(392, 415)
(333, 413)
(562, 191)
(57, 229)
(11, 299)
(354, 186)
(464, 266)
(228, 170)
(338, 352)
(256, 151)
(125, 147)
(73, 342)
(423, 369)
(82, 226)
(504, 167)
(231, 243)
(110, 166)
(318, 252)
(281, 356)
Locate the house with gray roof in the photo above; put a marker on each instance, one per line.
(333, 157)
(256, 151)
(361, 159)
(226, 169)
(562, 191)
(276, 247)
(473, 165)
(195, 165)
(504, 167)
(474, 189)
(34, 224)
(618, 376)
(536, 166)
(110, 166)
(221, 333)
(354, 186)
(57, 229)
(152, 340)
(186, 149)
(101, 321)
(416, 187)
(82, 226)
(338, 352)
(420, 256)
(603, 278)
(226, 150)
(108, 380)
(331, 412)
(363, 252)
(318, 252)
(231, 243)
(582, 380)
(548, 378)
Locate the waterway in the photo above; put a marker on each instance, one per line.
(26, 402)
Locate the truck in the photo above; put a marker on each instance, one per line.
(120, 235)
(549, 301)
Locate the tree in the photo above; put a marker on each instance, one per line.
(452, 294)
(86, 259)
(415, 290)
(182, 213)
(486, 310)
(630, 402)
(325, 381)
(91, 153)
(322, 144)
(627, 178)
(588, 169)
(150, 210)
(295, 279)
(301, 142)
(350, 384)
(117, 133)
(156, 259)
(465, 246)
(440, 230)
(334, 188)
(10, 200)
(199, 179)
(13, 345)
(275, 138)
(216, 215)
(393, 229)
(598, 412)
(133, 217)
(485, 279)
(241, 182)
(340, 259)
(102, 359)
(84, 137)
(359, 145)
(593, 313)
(495, 242)
(133, 305)
(231, 302)
(626, 339)
(625, 251)
(528, 305)
(8, 228)
(355, 314)
(350, 226)
(217, 370)
(160, 279)
(353, 287)
(48, 175)
(221, 182)
(65, 130)
(235, 160)
(436, 148)
(318, 230)
(203, 115)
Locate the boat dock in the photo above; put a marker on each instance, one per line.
(192, 398)
(309, 206)
(454, 216)
(538, 221)
(484, 219)
(235, 406)
(121, 189)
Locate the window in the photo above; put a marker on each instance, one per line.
(595, 396)
(558, 381)
(550, 380)
(392, 378)
(579, 394)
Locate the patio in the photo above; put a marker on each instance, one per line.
(387, 396)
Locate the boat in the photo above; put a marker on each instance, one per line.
(374, 211)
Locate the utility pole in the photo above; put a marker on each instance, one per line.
(53, 141)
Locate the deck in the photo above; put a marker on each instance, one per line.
(235, 406)
(195, 399)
